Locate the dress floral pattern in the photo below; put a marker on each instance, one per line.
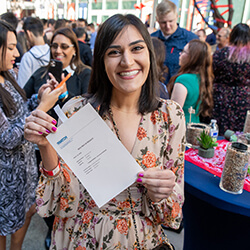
(231, 92)
(18, 169)
(79, 224)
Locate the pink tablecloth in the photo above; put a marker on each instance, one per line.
(213, 165)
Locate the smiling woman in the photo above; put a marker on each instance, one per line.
(127, 62)
(64, 48)
(122, 89)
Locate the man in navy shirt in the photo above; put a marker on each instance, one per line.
(174, 37)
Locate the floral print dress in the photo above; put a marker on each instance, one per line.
(80, 224)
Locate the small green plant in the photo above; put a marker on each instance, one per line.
(206, 141)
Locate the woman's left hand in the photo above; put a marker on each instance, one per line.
(52, 84)
(41, 90)
(159, 183)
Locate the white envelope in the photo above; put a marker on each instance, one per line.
(95, 155)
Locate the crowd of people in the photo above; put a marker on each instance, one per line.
(143, 86)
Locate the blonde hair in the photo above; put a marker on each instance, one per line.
(165, 7)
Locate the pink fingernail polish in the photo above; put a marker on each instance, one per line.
(54, 129)
(141, 174)
(54, 122)
(47, 131)
(40, 132)
(139, 180)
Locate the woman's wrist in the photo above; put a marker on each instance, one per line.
(63, 96)
(42, 106)
(53, 172)
(49, 156)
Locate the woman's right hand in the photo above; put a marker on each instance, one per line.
(49, 97)
(37, 126)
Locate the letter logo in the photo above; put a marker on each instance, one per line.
(62, 140)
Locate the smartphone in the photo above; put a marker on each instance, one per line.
(55, 68)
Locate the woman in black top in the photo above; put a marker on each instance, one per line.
(64, 48)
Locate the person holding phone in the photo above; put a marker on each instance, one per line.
(65, 57)
(123, 91)
(18, 171)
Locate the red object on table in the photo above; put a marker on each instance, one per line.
(213, 165)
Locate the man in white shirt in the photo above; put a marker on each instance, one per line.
(38, 55)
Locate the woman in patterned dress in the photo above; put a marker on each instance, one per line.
(18, 170)
(122, 89)
(231, 86)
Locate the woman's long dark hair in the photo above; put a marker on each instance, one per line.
(8, 104)
(199, 61)
(100, 87)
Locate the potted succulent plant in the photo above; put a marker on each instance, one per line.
(206, 145)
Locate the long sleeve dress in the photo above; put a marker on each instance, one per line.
(18, 169)
(231, 91)
(80, 224)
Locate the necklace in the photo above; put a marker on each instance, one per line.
(128, 112)
(114, 124)
(128, 189)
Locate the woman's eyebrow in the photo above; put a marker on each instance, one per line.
(137, 41)
(132, 43)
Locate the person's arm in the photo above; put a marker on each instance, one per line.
(179, 93)
(64, 185)
(165, 188)
(49, 157)
(39, 124)
(11, 134)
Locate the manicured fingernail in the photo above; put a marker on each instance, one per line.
(40, 132)
(47, 131)
(54, 129)
(54, 122)
(139, 180)
(141, 174)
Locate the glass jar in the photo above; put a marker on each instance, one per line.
(244, 138)
(193, 131)
(247, 123)
(235, 168)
